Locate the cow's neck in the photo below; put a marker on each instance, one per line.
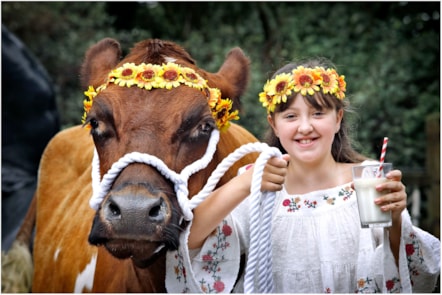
(150, 279)
(126, 277)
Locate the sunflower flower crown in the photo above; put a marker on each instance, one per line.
(302, 80)
(166, 76)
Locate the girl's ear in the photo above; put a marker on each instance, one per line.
(339, 117)
(272, 124)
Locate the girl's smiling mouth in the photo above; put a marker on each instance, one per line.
(305, 140)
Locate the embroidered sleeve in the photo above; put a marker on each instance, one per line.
(214, 269)
(419, 257)
(418, 268)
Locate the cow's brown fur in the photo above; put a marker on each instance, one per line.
(64, 218)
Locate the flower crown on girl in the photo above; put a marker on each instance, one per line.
(302, 80)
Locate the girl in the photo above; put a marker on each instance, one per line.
(318, 243)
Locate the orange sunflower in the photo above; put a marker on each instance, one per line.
(306, 80)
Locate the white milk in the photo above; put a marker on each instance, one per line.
(370, 213)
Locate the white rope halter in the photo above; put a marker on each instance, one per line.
(101, 189)
(262, 202)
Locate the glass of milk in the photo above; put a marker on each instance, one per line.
(365, 179)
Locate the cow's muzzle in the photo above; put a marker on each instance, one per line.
(136, 221)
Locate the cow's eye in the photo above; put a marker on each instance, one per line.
(98, 129)
(206, 128)
(93, 123)
(202, 131)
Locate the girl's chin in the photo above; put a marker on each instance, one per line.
(306, 157)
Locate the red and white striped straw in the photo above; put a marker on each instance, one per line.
(382, 159)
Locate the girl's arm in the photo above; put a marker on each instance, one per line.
(209, 213)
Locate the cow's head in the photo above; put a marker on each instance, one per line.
(139, 216)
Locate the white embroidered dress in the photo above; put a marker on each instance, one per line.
(318, 247)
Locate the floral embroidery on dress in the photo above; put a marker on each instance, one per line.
(329, 200)
(217, 287)
(310, 204)
(414, 256)
(393, 285)
(295, 203)
(180, 270)
(213, 257)
(292, 204)
(364, 285)
(346, 193)
(368, 285)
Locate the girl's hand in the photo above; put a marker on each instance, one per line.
(396, 200)
(274, 173)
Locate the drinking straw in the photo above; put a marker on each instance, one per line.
(382, 159)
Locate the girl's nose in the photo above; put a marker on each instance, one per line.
(305, 126)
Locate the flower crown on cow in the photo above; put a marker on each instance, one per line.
(302, 80)
(168, 76)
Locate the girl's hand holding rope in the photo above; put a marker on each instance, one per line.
(274, 173)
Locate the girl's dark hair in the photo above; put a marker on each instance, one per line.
(342, 150)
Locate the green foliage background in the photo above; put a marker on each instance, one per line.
(388, 51)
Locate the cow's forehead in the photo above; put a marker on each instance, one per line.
(130, 107)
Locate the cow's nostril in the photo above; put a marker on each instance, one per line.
(157, 211)
(114, 209)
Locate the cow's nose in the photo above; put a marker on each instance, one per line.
(132, 209)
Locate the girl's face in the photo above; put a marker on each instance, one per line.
(306, 133)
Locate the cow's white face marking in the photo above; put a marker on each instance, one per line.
(85, 279)
(56, 254)
(169, 59)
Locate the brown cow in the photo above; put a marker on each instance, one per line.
(139, 218)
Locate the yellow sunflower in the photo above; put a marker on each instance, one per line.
(223, 115)
(280, 87)
(87, 103)
(214, 97)
(276, 91)
(148, 76)
(171, 76)
(124, 75)
(192, 79)
(267, 102)
(90, 93)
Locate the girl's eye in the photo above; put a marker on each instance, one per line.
(290, 116)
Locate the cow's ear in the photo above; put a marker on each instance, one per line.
(233, 76)
(99, 60)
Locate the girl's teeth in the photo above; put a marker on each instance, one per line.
(304, 141)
